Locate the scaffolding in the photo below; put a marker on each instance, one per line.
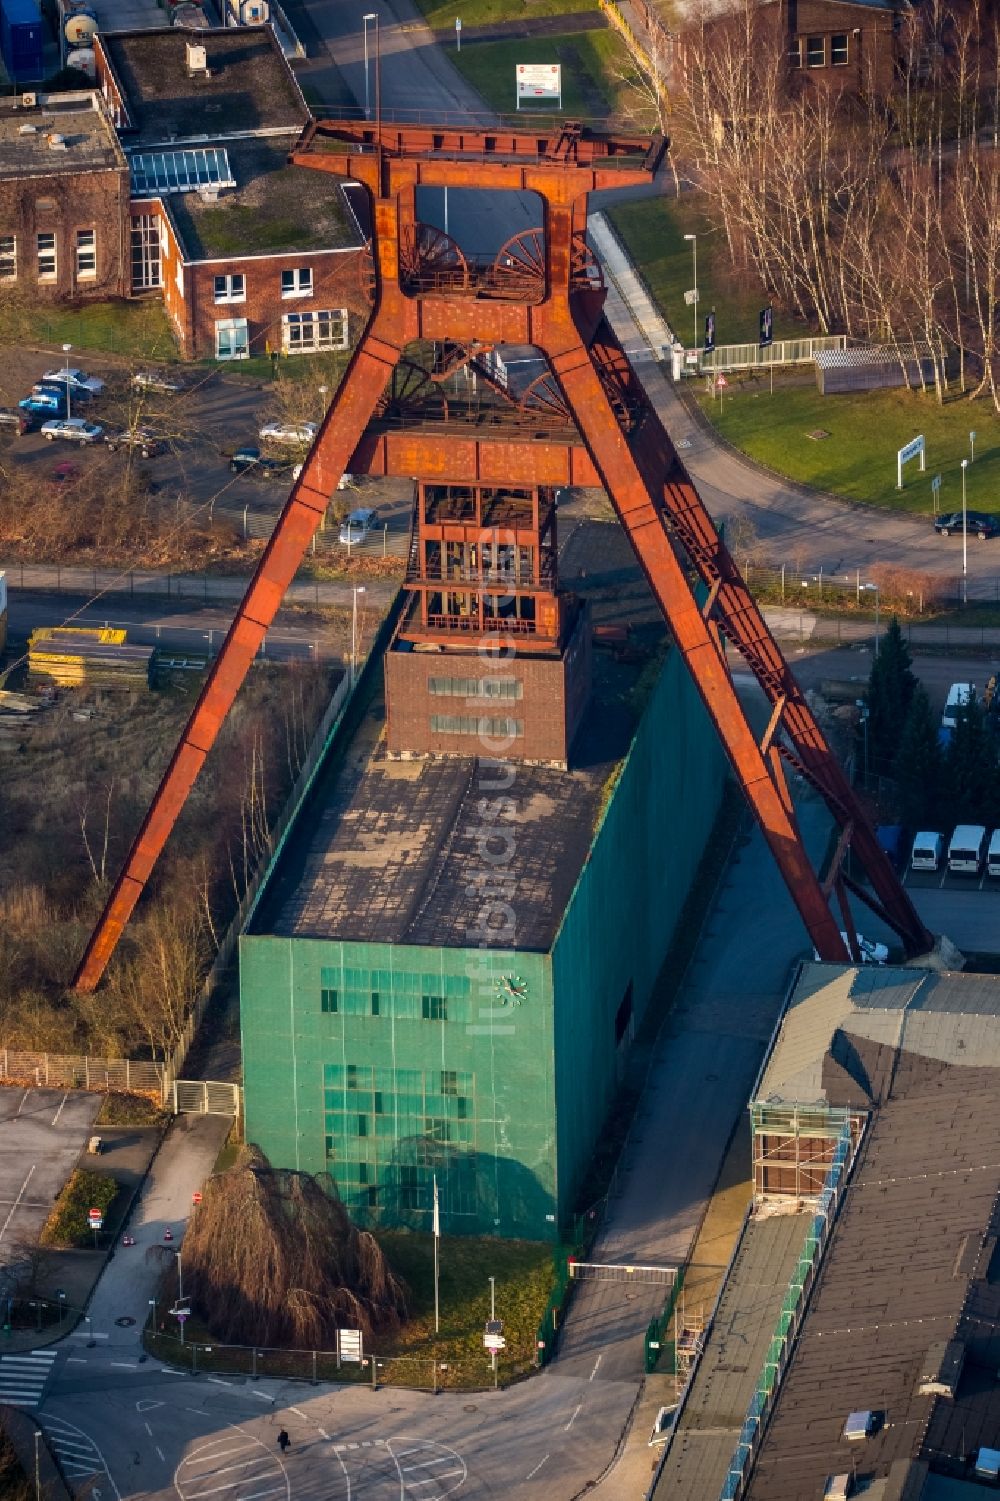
(793, 1149)
(689, 1340)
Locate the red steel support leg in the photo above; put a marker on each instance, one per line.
(636, 468)
(303, 511)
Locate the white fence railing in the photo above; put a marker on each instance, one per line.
(751, 357)
(80, 1071)
(206, 1097)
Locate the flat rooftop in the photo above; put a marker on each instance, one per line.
(249, 88)
(89, 140)
(383, 852)
(273, 207)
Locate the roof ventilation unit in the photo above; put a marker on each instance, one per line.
(988, 1464)
(29, 101)
(942, 1369)
(57, 142)
(27, 130)
(838, 1488)
(859, 1425)
(197, 59)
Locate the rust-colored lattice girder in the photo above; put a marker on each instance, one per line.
(550, 297)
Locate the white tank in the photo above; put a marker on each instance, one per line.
(80, 28)
(82, 58)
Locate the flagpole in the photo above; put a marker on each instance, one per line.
(437, 1237)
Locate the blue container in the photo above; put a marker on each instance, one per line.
(21, 38)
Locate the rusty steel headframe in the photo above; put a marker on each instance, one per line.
(542, 290)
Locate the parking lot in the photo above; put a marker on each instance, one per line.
(201, 426)
(43, 1131)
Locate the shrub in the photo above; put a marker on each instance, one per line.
(68, 1225)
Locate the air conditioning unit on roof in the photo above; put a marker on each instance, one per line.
(29, 101)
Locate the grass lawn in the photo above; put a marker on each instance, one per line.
(858, 459)
(588, 91)
(653, 231)
(139, 330)
(494, 12)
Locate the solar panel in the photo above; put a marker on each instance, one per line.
(181, 171)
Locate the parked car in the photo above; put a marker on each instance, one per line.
(979, 522)
(288, 432)
(871, 952)
(960, 695)
(928, 850)
(57, 388)
(76, 380)
(250, 459)
(73, 428)
(357, 526)
(16, 420)
(157, 380)
(139, 439)
(967, 849)
(53, 404)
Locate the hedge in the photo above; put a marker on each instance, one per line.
(68, 1224)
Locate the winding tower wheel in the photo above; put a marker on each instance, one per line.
(544, 398)
(412, 392)
(431, 261)
(518, 271)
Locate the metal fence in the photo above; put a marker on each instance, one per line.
(606, 1271)
(751, 357)
(206, 1097)
(80, 1071)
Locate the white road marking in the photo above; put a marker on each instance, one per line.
(55, 1118)
(76, 1360)
(124, 1365)
(446, 1481)
(297, 1411)
(65, 1435)
(214, 1450)
(218, 1381)
(197, 1467)
(23, 1377)
(531, 1473)
(323, 1434)
(262, 1395)
(24, 1099)
(572, 1420)
(17, 1201)
(411, 1485)
(148, 1429)
(160, 1453)
(596, 1364)
(425, 1464)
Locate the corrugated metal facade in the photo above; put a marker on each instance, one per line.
(385, 1064)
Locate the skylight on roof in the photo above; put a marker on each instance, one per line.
(181, 171)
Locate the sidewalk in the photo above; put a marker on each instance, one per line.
(156, 584)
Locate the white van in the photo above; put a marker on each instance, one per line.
(993, 854)
(966, 849)
(959, 694)
(927, 851)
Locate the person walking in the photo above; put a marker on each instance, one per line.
(283, 1440)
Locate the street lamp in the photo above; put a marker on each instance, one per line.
(66, 350)
(878, 599)
(965, 540)
(371, 16)
(358, 589)
(694, 254)
(862, 708)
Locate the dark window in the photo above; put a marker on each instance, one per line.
(816, 52)
(449, 1081)
(434, 1008)
(624, 1014)
(490, 143)
(438, 143)
(376, 1003)
(437, 1130)
(328, 1000)
(795, 52)
(362, 1172)
(463, 1107)
(373, 1198)
(378, 1102)
(352, 1076)
(329, 1146)
(838, 49)
(362, 1125)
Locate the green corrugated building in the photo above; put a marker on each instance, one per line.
(450, 957)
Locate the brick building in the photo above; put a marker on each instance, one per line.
(249, 254)
(848, 44)
(64, 200)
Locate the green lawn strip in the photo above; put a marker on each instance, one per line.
(68, 1225)
(858, 459)
(588, 90)
(121, 1109)
(653, 230)
(497, 12)
(136, 330)
(524, 1273)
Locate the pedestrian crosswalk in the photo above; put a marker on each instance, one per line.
(23, 1377)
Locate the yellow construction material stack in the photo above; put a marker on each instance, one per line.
(76, 656)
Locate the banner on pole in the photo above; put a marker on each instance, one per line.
(766, 327)
(437, 1212)
(709, 333)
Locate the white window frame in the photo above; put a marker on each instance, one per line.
(86, 254)
(8, 257)
(235, 348)
(231, 287)
(44, 254)
(316, 330)
(844, 60)
(811, 44)
(301, 282)
(147, 248)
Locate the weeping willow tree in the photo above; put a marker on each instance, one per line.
(272, 1258)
